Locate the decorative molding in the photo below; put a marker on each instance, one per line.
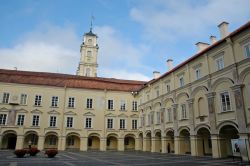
(70, 113)
(89, 114)
(22, 111)
(134, 116)
(54, 112)
(36, 111)
(4, 109)
(123, 115)
(110, 115)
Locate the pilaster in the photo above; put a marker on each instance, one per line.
(40, 145)
(103, 144)
(163, 145)
(120, 144)
(83, 143)
(153, 142)
(19, 141)
(61, 143)
(211, 110)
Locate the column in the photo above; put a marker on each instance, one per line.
(41, 142)
(240, 113)
(1, 137)
(216, 146)
(103, 144)
(211, 109)
(144, 145)
(175, 121)
(163, 145)
(177, 141)
(194, 145)
(191, 115)
(153, 144)
(83, 143)
(19, 141)
(137, 144)
(120, 144)
(244, 140)
(61, 142)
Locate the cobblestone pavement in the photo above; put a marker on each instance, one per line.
(65, 158)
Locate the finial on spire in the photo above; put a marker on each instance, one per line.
(91, 22)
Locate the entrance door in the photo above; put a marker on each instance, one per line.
(11, 143)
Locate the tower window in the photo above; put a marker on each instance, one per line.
(90, 41)
(87, 72)
(89, 53)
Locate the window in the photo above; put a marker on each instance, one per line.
(247, 50)
(87, 72)
(88, 123)
(71, 103)
(6, 98)
(123, 105)
(54, 101)
(69, 122)
(152, 118)
(157, 93)
(38, 100)
(89, 103)
(52, 140)
(134, 124)
(169, 113)
(89, 53)
(220, 63)
(110, 123)
(122, 123)
(20, 120)
(198, 73)
(183, 111)
(181, 80)
(23, 99)
(134, 105)
(149, 121)
(110, 105)
(52, 122)
(35, 121)
(142, 121)
(3, 118)
(168, 88)
(225, 102)
(158, 117)
(71, 141)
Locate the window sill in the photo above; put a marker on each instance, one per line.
(37, 106)
(201, 116)
(88, 128)
(123, 110)
(52, 127)
(122, 129)
(110, 110)
(35, 127)
(23, 104)
(169, 122)
(89, 108)
(70, 107)
(134, 110)
(224, 112)
(54, 107)
(184, 119)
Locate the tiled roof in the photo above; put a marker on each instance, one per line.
(70, 81)
(242, 28)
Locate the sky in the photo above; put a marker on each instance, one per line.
(135, 37)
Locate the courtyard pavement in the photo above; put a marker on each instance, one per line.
(66, 158)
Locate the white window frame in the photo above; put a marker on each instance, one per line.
(38, 100)
(168, 87)
(183, 111)
(72, 123)
(109, 105)
(169, 115)
(134, 123)
(122, 124)
(246, 48)
(122, 105)
(17, 119)
(54, 101)
(6, 119)
(220, 63)
(112, 120)
(21, 99)
(89, 103)
(53, 120)
(181, 81)
(221, 102)
(198, 73)
(71, 102)
(134, 106)
(4, 99)
(39, 119)
(88, 124)
(158, 117)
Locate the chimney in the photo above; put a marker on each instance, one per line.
(170, 64)
(223, 29)
(156, 74)
(201, 46)
(213, 39)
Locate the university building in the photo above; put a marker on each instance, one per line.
(195, 108)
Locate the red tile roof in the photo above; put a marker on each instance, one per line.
(237, 31)
(70, 81)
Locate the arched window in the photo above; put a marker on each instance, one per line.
(87, 72)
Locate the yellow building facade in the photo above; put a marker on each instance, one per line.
(195, 108)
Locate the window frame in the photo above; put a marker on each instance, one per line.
(246, 52)
(67, 123)
(108, 123)
(36, 124)
(134, 124)
(89, 103)
(134, 105)
(4, 99)
(37, 101)
(4, 120)
(50, 122)
(88, 124)
(220, 64)
(21, 99)
(17, 120)
(122, 124)
(122, 105)
(221, 102)
(54, 103)
(71, 102)
(110, 104)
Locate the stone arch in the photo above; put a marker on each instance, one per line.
(169, 133)
(157, 103)
(148, 138)
(165, 101)
(129, 142)
(180, 129)
(198, 127)
(197, 89)
(182, 94)
(243, 74)
(225, 123)
(94, 141)
(8, 139)
(220, 80)
(184, 138)
(204, 143)
(157, 131)
(30, 139)
(112, 141)
(73, 141)
(51, 140)
(140, 137)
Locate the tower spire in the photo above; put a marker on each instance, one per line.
(91, 22)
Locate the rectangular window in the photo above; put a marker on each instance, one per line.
(225, 102)
(110, 123)
(142, 121)
(247, 50)
(23, 99)
(168, 88)
(38, 100)
(169, 113)
(88, 123)
(158, 117)
(220, 63)
(183, 111)
(181, 80)
(6, 98)
(35, 121)
(149, 119)
(134, 124)
(198, 73)
(134, 105)
(3, 119)
(110, 105)
(52, 122)
(162, 115)
(122, 123)
(69, 122)
(89, 103)
(71, 102)
(152, 118)
(54, 101)
(20, 120)
(123, 105)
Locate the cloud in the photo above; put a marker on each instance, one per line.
(169, 20)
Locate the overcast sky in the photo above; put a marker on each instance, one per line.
(135, 37)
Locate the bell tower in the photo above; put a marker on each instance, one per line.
(89, 50)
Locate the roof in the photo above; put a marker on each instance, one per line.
(90, 33)
(70, 81)
(237, 31)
